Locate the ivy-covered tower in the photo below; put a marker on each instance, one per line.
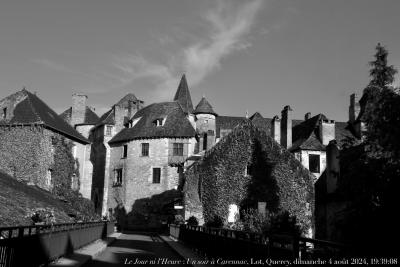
(205, 124)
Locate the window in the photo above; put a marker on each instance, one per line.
(247, 170)
(313, 163)
(205, 141)
(177, 149)
(109, 130)
(125, 151)
(145, 149)
(48, 177)
(4, 113)
(156, 175)
(158, 122)
(118, 177)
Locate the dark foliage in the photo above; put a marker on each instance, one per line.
(192, 221)
(216, 222)
(382, 75)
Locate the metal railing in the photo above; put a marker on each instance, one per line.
(219, 242)
(35, 245)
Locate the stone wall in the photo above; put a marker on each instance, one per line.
(85, 163)
(137, 188)
(26, 153)
(303, 157)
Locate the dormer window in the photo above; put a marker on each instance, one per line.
(4, 113)
(158, 122)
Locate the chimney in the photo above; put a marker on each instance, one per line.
(286, 127)
(307, 116)
(276, 129)
(354, 108)
(326, 131)
(332, 166)
(78, 108)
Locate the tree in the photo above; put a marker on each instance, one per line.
(370, 167)
(382, 74)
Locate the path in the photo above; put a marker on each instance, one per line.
(137, 249)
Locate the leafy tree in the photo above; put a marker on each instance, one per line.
(370, 167)
(382, 74)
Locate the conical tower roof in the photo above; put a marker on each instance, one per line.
(204, 108)
(182, 96)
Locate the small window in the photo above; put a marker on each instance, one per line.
(247, 171)
(158, 122)
(48, 177)
(4, 113)
(109, 130)
(118, 177)
(313, 163)
(178, 149)
(156, 175)
(205, 141)
(125, 151)
(145, 149)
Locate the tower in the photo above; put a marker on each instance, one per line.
(205, 124)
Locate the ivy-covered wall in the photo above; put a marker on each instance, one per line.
(244, 168)
(26, 153)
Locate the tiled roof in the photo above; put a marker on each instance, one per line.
(107, 118)
(91, 118)
(305, 134)
(204, 107)
(175, 123)
(32, 110)
(182, 96)
(128, 98)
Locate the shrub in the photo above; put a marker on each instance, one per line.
(192, 221)
(179, 219)
(216, 222)
(42, 215)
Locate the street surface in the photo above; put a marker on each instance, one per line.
(137, 250)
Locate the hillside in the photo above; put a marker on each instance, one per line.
(17, 199)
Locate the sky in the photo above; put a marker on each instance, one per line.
(243, 56)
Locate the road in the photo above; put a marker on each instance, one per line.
(139, 250)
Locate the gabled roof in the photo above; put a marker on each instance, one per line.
(90, 118)
(182, 96)
(32, 110)
(175, 124)
(204, 107)
(128, 98)
(107, 118)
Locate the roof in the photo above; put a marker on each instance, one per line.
(204, 107)
(305, 134)
(128, 98)
(32, 110)
(17, 198)
(107, 118)
(175, 124)
(182, 96)
(90, 118)
(227, 122)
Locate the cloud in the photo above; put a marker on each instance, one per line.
(227, 27)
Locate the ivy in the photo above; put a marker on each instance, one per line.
(276, 177)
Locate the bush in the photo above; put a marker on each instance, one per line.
(179, 219)
(216, 222)
(192, 221)
(254, 221)
(42, 215)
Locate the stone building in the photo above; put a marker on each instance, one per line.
(28, 128)
(147, 156)
(109, 124)
(306, 139)
(83, 119)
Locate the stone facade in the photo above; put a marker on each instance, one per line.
(27, 154)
